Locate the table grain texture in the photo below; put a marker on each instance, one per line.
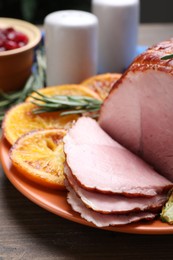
(30, 232)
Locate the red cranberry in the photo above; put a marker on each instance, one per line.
(20, 37)
(10, 45)
(9, 30)
(11, 39)
(1, 43)
(11, 35)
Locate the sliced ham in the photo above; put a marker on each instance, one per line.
(89, 135)
(138, 113)
(108, 168)
(109, 204)
(102, 220)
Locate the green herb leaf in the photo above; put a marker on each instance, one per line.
(167, 57)
(35, 81)
(67, 104)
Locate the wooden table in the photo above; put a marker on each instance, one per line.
(30, 232)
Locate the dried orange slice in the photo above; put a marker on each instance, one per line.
(102, 83)
(20, 118)
(39, 156)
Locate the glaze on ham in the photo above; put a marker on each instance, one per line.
(138, 113)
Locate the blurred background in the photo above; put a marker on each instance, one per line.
(152, 11)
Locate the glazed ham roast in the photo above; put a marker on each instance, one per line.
(138, 112)
(120, 170)
(104, 178)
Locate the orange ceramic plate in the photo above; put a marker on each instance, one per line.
(55, 201)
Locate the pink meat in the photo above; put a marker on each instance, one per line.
(89, 135)
(102, 220)
(118, 204)
(139, 110)
(108, 168)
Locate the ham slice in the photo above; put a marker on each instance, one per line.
(108, 167)
(102, 220)
(138, 113)
(109, 204)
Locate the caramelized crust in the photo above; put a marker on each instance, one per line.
(151, 58)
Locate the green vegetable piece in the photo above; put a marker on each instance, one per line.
(167, 211)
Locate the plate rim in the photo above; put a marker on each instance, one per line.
(135, 228)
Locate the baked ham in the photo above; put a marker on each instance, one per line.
(107, 175)
(115, 204)
(107, 184)
(98, 163)
(138, 112)
(102, 220)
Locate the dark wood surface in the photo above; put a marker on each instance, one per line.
(30, 232)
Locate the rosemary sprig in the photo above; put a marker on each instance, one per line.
(35, 81)
(66, 104)
(167, 57)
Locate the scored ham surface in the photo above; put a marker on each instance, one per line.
(118, 204)
(138, 112)
(103, 220)
(108, 167)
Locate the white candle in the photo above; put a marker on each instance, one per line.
(71, 46)
(118, 30)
